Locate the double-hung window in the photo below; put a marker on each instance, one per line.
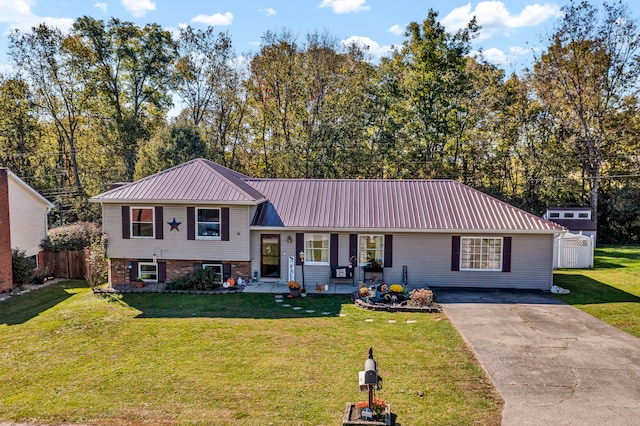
(316, 249)
(481, 253)
(142, 222)
(148, 272)
(208, 223)
(371, 250)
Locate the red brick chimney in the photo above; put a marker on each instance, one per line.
(6, 273)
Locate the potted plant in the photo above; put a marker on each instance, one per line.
(139, 282)
(378, 408)
(373, 266)
(303, 292)
(294, 288)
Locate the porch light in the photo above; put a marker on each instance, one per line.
(289, 239)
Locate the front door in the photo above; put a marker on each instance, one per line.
(270, 256)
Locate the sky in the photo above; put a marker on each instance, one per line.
(511, 29)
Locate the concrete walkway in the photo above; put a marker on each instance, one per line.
(281, 287)
(552, 363)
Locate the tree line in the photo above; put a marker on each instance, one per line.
(89, 107)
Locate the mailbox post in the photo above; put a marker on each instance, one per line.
(370, 380)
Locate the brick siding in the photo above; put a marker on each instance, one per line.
(119, 273)
(6, 273)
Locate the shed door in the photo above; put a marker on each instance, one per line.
(270, 256)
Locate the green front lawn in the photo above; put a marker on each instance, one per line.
(68, 355)
(610, 291)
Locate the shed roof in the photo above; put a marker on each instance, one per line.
(197, 180)
(443, 205)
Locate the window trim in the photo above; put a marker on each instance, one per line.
(133, 222)
(208, 237)
(328, 249)
(205, 265)
(154, 264)
(365, 262)
(481, 269)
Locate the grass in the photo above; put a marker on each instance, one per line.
(610, 291)
(69, 356)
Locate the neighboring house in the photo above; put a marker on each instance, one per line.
(434, 232)
(577, 220)
(573, 249)
(23, 223)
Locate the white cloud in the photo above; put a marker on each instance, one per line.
(216, 19)
(498, 57)
(268, 11)
(396, 29)
(373, 47)
(493, 16)
(17, 14)
(101, 5)
(345, 6)
(139, 8)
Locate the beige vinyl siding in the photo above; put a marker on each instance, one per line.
(28, 219)
(175, 244)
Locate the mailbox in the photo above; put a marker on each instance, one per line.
(369, 379)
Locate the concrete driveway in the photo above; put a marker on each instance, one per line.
(552, 363)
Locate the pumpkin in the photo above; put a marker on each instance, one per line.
(396, 288)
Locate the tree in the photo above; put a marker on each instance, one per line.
(589, 69)
(428, 75)
(170, 146)
(19, 127)
(53, 67)
(128, 69)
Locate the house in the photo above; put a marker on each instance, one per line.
(574, 248)
(428, 232)
(23, 223)
(577, 220)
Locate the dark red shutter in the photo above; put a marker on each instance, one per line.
(333, 250)
(506, 254)
(388, 251)
(126, 223)
(191, 223)
(159, 223)
(353, 249)
(455, 253)
(226, 271)
(299, 247)
(162, 272)
(133, 272)
(224, 218)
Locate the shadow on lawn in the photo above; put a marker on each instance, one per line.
(239, 305)
(587, 291)
(22, 308)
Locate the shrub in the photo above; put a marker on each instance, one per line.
(72, 237)
(98, 264)
(421, 297)
(199, 279)
(22, 267)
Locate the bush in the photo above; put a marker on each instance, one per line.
(421, 297)
(72, 237)
(22, 267)
(98, 264)
(199, 279)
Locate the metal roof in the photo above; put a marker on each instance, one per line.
(437, 205)
(197, 180)
(443, 205)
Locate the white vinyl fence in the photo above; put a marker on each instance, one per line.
(573, 251)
